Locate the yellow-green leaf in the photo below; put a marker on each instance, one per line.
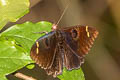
(12, 10)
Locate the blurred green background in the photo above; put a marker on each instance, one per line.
(103, 61)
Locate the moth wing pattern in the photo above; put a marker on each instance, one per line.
(64, 47)
(43, 50)
(80, 39)
(71, 59)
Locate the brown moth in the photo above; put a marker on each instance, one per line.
(65, 47)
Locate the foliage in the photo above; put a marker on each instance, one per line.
(16, 41)
(15, 44)
(12, 10)
(72, 75)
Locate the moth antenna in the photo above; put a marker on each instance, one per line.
(63, 13)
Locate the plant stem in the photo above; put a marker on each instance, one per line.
(23, 76)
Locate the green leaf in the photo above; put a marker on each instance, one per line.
(30, 66)
(12, 57)
(25, 35)
(3, 78)
(15, 45)
(72, 75)
(12, 10)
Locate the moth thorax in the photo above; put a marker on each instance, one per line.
(59, 35)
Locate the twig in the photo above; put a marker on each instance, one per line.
(23, 76)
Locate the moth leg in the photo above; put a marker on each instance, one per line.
(42, 32)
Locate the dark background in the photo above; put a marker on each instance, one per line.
(103, 61)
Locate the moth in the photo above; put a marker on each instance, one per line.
(63, 47)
